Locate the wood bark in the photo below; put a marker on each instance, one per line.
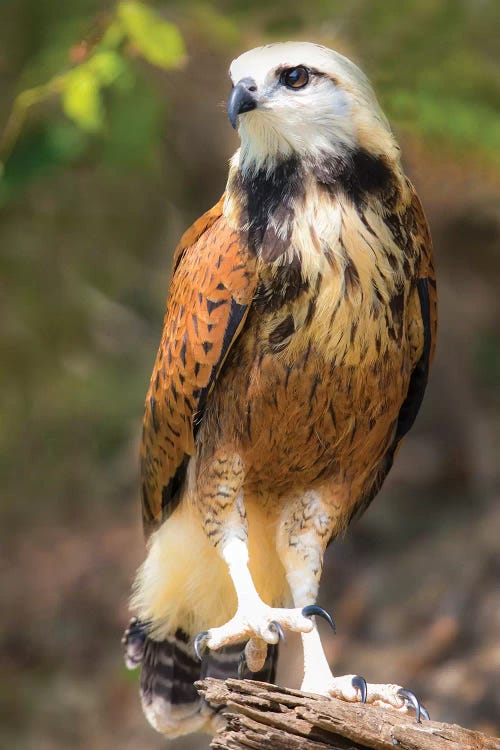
(267, 717)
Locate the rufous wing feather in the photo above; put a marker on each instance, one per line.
(212, 285)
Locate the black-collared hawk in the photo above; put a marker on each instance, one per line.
(298, 335)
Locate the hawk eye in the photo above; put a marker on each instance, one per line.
(295, 78)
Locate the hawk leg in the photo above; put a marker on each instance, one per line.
(254, 619)
(319, 679)
(307, 524)
(220, 500)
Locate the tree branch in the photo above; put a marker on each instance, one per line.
(267, 717)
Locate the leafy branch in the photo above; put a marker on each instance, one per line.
(134, 30)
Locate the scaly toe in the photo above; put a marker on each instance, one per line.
(348, 688)
(261, 623)
(354, 688)
(255, 654)
(395, 697)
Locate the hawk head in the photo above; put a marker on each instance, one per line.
(301, 99)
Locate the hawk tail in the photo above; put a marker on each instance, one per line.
(169, 669)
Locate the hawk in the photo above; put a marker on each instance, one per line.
(296, 345)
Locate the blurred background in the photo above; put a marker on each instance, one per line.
(114, 137)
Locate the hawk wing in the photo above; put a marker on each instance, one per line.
(412, 231)
(422, 324)
(212, 285)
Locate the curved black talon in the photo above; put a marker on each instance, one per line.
(424, 713)
(200, 644)
(359, 683)
(275, 627)
(413, 701)
(242, 664)
(313, 609)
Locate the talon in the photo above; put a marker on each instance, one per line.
(424, 713)
(413, 701)
(275, 627)
(200, 644)
(242, 663)
(313, 609)
(359, 683)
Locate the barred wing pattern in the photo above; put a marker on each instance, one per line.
(212, 286)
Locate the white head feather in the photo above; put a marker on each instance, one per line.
(335, 112)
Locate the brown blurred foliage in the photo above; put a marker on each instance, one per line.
(92, 201)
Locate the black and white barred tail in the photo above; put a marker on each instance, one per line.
(169, 669)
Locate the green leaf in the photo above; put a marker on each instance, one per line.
(158, 41)
(82, 101)
(106, 67)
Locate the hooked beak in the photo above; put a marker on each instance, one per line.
(242, 99)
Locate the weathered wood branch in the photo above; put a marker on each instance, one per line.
(267, 717)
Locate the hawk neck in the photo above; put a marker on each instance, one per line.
(265, 205)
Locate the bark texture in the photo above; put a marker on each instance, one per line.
(267, 717)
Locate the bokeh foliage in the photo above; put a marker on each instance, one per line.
(435, 64)
(102, 69)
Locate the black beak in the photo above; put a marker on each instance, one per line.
(241, 99)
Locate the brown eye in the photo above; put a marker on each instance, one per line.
(295, 78)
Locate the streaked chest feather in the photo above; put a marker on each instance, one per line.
(342, 283)
(325, 360)
(301, 418)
